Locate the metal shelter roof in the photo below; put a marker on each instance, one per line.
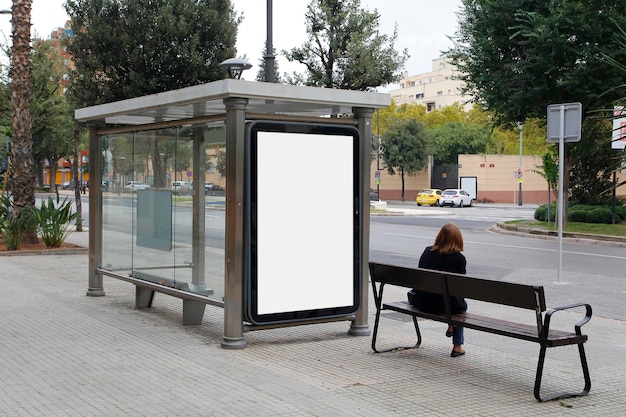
(207, 100)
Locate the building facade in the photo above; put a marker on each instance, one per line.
(435, 89)
(497, 180)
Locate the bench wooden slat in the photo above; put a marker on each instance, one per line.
(429, 280)
(472, 321)
(511, 294)
(406, 308)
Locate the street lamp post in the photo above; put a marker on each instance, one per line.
(270, 77)
(378, 153)
(520, 171)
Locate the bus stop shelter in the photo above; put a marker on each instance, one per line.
(286, 240)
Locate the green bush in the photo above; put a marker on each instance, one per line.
(14, 226)
(541, 213)
(600, 214)
(583, 213)
(53, 220)
(578, 213)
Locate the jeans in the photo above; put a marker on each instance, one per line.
(457, 336)
(457, 332)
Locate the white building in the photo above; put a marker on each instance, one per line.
(435, 89)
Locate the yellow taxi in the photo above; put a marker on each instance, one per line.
(429, 196)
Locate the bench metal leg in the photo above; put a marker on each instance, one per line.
(193, 312)
(417, 332)
(583, 362)
(143, 297)
(378, 300)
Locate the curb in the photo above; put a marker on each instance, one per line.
(58, 251)
(537, 233)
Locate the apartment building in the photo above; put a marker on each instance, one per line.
(435, 89)
(57, 42)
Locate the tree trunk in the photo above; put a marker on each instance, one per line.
(158, 163)
(53, 173)
(21, 98)
(77, 184)
(565, 191)
(402, 178)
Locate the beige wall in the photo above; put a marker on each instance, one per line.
(391, 185)
(496, 182)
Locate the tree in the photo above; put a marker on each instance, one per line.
(345, 49)
(52, 123)
(549, 170)
(260, 75)
(21, 98)
(221, 163)
(124, 49)
(619, 62)
(517, 57)
(592, 165)
(404, 148)
(451, 139)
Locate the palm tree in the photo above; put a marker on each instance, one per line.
(21, 97)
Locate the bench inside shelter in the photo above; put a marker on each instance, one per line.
(528, 298)
(193, 310)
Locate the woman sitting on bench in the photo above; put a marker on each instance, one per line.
(445, 255)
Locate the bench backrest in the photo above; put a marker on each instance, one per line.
(529, 297)
(417, 278)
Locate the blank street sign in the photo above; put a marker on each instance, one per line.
(572, 122)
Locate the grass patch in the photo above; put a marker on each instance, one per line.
(576, 227)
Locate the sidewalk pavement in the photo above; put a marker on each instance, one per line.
(65, 354)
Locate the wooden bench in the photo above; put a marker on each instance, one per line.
(526, 297)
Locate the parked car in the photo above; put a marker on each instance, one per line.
(455, 197)
(133, 186)
(429, 196)
(374, 195)
(180, 187)
(211, 189)
(214, 189)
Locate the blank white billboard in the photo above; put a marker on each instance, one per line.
(304, 222)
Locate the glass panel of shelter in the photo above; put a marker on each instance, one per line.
(146, 226)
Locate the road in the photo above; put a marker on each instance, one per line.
(595, 271)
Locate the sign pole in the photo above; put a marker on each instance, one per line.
(564, 125)
(560, 202)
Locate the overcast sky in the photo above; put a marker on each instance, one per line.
(423, 27)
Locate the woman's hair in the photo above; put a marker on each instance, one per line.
(449, 240)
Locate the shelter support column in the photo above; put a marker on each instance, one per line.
(193, 311)
(198, 213)
(235, 262)
(359, 326)
(96, 288)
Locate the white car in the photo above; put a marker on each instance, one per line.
(455, 197)
(180, 187)
(133, 186)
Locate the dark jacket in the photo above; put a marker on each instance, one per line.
(433, 303)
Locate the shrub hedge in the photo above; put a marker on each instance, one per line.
(583, 213)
